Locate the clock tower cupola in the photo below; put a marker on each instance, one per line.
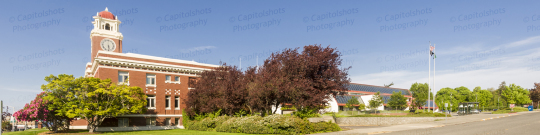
(106, 34)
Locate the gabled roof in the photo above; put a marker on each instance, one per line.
(372, 88)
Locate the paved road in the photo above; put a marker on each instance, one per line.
(523, 124)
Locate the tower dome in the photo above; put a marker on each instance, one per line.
(107, 14)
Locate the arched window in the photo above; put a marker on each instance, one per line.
(107, 27)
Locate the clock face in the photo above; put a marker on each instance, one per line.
(108, 45)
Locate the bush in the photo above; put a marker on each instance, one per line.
(306, 113)
(208, 124)
(185, 120)
(273, 124)
(520, 109)
(508, 110)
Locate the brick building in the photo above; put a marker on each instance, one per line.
(164, 80)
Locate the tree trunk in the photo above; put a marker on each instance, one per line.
(92, 128)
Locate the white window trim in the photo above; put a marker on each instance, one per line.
(168, 81)
(168, 98)
(155, 80)
(152, 108)
(177, 102)
(176, 81)
(123, 83)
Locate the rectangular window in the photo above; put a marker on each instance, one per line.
(150, 121)
(168, 122)
(123, 77)
(123, 122)
(177, 79)
(177, 103)
(151, 102)
(167, 78)
(150, 79)
(168, 102)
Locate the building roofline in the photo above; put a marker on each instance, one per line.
(148, 57)
(379, 86)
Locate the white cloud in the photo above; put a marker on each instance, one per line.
(519, 67)
(530, 40)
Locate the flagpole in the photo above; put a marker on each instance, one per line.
(429, 73)
(434, 57)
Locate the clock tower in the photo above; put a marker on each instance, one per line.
(106, 34)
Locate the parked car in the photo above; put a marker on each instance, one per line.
(475, 111)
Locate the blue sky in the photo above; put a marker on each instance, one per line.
(480, 43)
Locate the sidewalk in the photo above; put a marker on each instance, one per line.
(454, 120)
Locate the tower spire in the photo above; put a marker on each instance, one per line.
(106, 9)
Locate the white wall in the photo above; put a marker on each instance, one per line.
(332, 106)
(366, 98)
(278, 109)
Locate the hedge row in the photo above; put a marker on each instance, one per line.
(273, 124)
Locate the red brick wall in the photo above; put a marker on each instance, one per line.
(138, 78)
(96, 45)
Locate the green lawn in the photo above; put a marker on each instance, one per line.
(27, 132)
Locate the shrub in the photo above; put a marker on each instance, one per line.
(208, 124)
(185, 120)
(306, 113)
(324, 127)
(272, 124)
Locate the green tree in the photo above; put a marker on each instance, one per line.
(484, 96)
(397, 101)
(352, 103)
(419, 93)
(515, 94)
(464, 94)
(447, 95)
(361, 107)
(92, 99)
(375, 101)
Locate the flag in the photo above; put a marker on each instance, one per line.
(434, 56)
(431, 48)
